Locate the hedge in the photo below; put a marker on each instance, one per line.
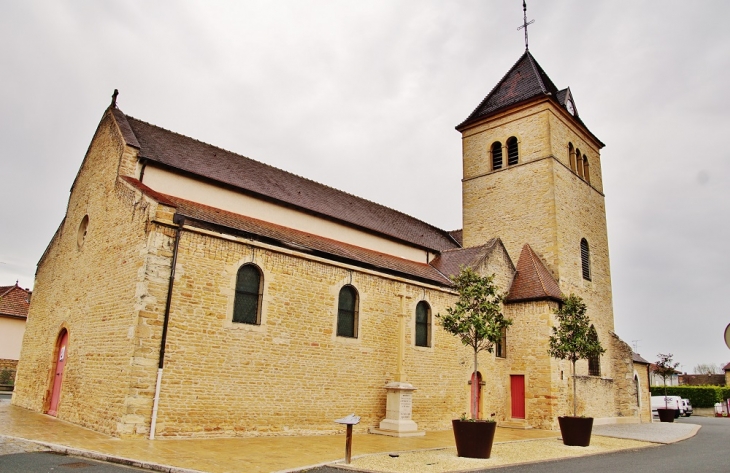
(699, 396)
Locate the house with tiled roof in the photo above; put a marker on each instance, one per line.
(14, 303)
(193, 291)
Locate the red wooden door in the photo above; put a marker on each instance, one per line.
(517, 383)
(58, 376)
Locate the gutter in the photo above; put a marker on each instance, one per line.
(179, 220)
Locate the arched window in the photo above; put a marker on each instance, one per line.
(249, 292)
(586, 168)
(571, 156)
(585, 259)
(347, 312)
(496, 155)
(423, 324)
(513, 154)
(638, 390)
(579, 163)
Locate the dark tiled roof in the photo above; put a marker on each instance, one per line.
(458, 236)
(14, 301)
(525, 80)
(205, 161)
(296, 240)
(533, 281)
(726, 367)
(638, 359)
(450, 262)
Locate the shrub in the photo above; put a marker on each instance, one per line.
(7, 376)
(699, 396)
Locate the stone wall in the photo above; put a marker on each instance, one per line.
(90, 282)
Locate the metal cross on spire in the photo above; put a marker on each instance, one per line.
(525, 23)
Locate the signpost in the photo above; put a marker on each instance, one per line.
(350, 420)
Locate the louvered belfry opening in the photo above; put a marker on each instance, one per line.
(585, 257)
(496, 155)
(513, 156)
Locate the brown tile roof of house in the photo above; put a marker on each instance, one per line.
(726, 367)
(212, 218)
(526, 80)
(450, 262)
(533, 281)
(189, 156)
(14, 301)
(638, 359)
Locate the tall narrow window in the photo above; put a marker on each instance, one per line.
(594, 362)
(347, 312)
(579, 163)
(500, 347)
(249, 292)
(423, 324)
(586, 168)
(594, 366)
(571, 156)
(496, 155)
(513, 154)
(585, 259)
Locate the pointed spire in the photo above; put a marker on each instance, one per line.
(114, 98)
(533, 280)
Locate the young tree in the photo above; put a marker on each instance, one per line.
(665, 367)
(476, 318)
(707, 368)
(574, 338)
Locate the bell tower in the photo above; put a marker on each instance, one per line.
(532, 174)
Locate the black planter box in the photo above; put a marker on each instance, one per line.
(474, 439)
(576, 431)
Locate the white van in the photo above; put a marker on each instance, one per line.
(671, 402)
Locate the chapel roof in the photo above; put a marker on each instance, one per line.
(267, 232)
(189, 156)
(14, 301)
(450, 262)
(533, 281)
(525, 80)
(636, 358)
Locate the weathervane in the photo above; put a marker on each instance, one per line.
(525, 23)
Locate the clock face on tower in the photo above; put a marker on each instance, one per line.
(570, 107)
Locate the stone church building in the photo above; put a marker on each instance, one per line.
(193, 292)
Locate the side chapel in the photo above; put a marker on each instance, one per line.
(191, 291)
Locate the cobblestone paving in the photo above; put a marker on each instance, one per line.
(9, 445)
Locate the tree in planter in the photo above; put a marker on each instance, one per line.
(665, 367)
(476, 318)
(574, 338)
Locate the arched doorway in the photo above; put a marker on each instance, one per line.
(61, 357)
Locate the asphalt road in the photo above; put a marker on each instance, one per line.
(49, 462)
(705, 452)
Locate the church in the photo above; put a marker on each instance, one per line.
(193, 292)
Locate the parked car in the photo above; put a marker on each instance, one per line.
(671, 402)
(687, 407)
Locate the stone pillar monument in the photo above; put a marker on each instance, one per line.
(399, 403)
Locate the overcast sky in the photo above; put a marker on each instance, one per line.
(364, 96)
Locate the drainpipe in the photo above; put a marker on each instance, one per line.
(179, 220)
